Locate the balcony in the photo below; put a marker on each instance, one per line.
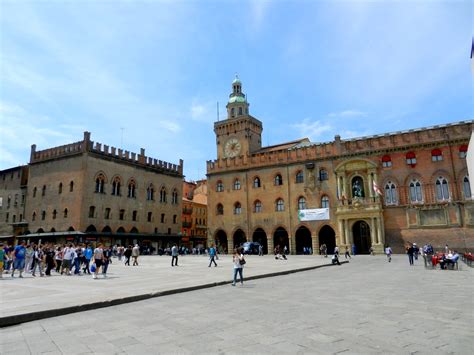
(357, 204)
(187, 211)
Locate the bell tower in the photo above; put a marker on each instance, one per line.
(239, 134)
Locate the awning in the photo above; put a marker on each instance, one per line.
(6, 236)
(51, 234)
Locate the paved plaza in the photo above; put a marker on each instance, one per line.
(368, 306)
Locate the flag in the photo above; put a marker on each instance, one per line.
(376, 188)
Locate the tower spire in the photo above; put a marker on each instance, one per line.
(237, 105)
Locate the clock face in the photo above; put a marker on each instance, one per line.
(232, 148)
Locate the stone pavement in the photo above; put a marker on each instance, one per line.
(368, 306)
(35, 298)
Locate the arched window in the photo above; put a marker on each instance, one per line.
(174, 197)
(134, 215)
(463, 151)
(91, 211)
(442, 189)
(43, 190)
(237, 208)
(150, 193)
(236, 184)
(240, 111)
(256, 182)
(466, 187)
(257, 206)
(386, 161)
(232, 112)
(324, 202)
(65, 213)
(34, 191)
(415, 191)
(278, 180)
(301, 203)
(43, 215)
(71, 186)
(116, 186)
(107, 213)
(54, 214)
(411, 158)
(33, 217)
(99, 184)
(390, 193)
(131, 189)
(280, 205)
(60, 188)
(299, 178)
(219, 186)
(323, 175)
(436, 155)
(163, 195)
(122, 214)
(219, 209)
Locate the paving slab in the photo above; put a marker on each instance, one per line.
(37, 297)
(365, 307)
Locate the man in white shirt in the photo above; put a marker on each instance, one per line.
(68, 256)
(98, 258)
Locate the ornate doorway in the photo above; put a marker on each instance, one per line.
(361, 233)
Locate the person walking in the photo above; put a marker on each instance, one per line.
(49, 259)
(336, 250)
(39, 260)
(58, 258)
(2, 258)
(98, 259)
(260, 250)
(238, 261)
(128, 254)
(135, 254)
(68, 257)
(347, 254)
(29, 258)
(212, 255)
(388, 252)
(19, 258)
(410, 253)
(174, 256)
(106, 260)
(88, 252)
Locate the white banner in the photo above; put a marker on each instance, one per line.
(315, 214)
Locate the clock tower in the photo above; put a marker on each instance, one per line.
(239, 134)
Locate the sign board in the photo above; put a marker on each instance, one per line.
(315, 214)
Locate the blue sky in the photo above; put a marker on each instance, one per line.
(157, 68)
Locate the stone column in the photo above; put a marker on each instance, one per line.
(270, 245)
(380, 228)
(371, 190)
(347, 232)
(339, 187)
(373, 232)
(344, 186)
(315, 244)
(292, 241)
(342, 232)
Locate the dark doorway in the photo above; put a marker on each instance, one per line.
(239, 238)
(303, 239)
(221, 242)
(280, 238)
(134, 230)
(106, 230)
(90, 229)
(261, 237)
(327, 236)
(361, 233)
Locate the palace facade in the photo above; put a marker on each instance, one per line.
(86, 191)
(392, 188)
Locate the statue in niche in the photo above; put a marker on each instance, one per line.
(357, 188)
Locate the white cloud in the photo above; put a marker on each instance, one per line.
(312, 129)
(347, 113)
(170, 126)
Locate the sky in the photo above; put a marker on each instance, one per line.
(149, 74)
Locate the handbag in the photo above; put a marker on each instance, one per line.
(93, 267)
(242, 261)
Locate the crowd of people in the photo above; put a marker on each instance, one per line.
(43, 259)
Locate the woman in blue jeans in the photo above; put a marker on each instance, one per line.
(238, 260)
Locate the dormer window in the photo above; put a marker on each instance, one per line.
(411, 159)
(436, 155)
(386, 161)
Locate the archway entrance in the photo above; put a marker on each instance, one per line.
(303, 239)
(239, 238)
(261, 237)
(361, 233)
(221, 241)
(327, 236)
(280, 238)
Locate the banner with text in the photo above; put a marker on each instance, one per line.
(315, 214)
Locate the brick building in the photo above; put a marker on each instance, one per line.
(256, 193)
(89, 191)
(194, 218)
